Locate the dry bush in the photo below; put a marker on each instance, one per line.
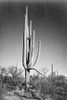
(54, 86)
(1, 92)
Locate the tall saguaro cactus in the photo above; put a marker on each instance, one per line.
(28, 49)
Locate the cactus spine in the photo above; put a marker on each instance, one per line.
(28, 49)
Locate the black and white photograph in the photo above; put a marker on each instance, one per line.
(33, 49)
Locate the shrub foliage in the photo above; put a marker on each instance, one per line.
(52, 85)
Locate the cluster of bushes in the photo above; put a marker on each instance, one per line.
(10, 78)
(52, 85)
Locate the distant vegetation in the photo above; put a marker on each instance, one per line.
(53, 85)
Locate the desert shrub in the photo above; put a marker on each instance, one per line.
(11, 79)
(55, 86)
(34, 81)
(2, 91)
(43, 87)
(39, 84)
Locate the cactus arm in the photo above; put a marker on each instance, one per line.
(38, 72)
(38, 53)
(30, 27)
(35, 70)
(30, 41)
(33, 39)
(30, 45)
(24, 45)
(32, 49)
(33, 43)
(23, 50)
(23, 58)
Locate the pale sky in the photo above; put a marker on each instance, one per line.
(50, 24)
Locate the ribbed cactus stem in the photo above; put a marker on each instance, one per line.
(30, 38)
(33, 41)
(38, 52)
(26, 21)
(52, 68)
(30, 27)
(27, 11)
(25, 38)
(28, 48)
(32, 49)
(24, 49)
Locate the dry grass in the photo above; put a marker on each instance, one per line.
(16, 98)
(12, 96)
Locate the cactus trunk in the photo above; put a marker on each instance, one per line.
(27, 76)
